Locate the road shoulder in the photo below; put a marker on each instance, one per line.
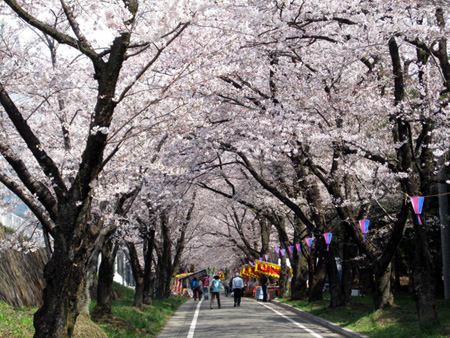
(179, 321)
(320, 321)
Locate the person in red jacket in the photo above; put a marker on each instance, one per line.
(206, 283)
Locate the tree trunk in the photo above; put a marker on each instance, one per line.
(65, 284)
(445, 228)
(383, 296)
(316, 279)
(85, 301)
(347, 269)
(138, 275)
(284, 279)
(163, 279)
(396, 268)
(148, 258)
(164, 260)
(106, 278)
(65, 277)
(336, 297)
(139, 293)
(423, 287)
(298, 282)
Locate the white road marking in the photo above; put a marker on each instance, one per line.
(293, 321)
(194, 320)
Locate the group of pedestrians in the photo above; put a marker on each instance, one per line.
(235, 286)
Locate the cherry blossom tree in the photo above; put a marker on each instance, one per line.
(312, 115)
(337, 56)
(96, 78)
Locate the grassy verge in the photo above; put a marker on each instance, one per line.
(16, 322)
(125, 321)
(399, 321)
(129, 322)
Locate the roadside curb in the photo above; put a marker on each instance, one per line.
(320, 321)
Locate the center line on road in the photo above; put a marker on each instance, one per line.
(194, 320)
(293, 321)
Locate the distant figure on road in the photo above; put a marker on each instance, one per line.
(263, 281)
(206, 287)
(195, 288)
(215, 288)
(226, 285)
(237, 288)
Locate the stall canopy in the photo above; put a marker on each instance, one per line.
(249, 271)
(270, 269)
(199, 274)
(260, 268)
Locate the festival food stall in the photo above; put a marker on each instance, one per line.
(250, 272)
(178, 288)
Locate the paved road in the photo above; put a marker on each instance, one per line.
(251, 319)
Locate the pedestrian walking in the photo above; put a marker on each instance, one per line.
(206, 284)
(226, 285)
(215, 288)
(237, 288)
(263, 281)
(195, 288)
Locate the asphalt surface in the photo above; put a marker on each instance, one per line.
(251, 319)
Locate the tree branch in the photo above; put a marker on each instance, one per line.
(49, 167)
(82, 46)
(30, 201)
(153, 60)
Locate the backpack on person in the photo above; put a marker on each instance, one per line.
(215, 284)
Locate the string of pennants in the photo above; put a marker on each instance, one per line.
(417, 203)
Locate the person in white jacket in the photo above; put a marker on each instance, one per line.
(237, 288)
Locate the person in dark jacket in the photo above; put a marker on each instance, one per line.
(263, 281)
(195, 287)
